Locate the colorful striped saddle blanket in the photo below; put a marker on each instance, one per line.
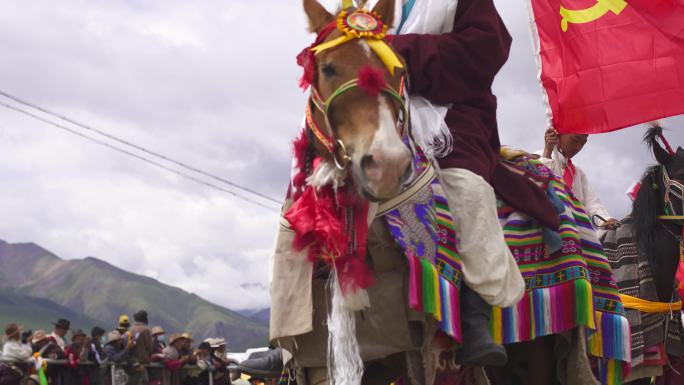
(568, 279)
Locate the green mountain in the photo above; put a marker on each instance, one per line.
(96, 290)
(38, 313)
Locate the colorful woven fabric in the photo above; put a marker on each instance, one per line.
(424, 229)
(567, 288)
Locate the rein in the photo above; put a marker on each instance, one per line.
(358, 24)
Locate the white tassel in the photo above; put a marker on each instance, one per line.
(357, 301)
(326, 174)
(429, 129)
(345, 366)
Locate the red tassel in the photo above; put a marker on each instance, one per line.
(307, 59)
(371, 80)
(318, 219)
(300, 149)
(354, 274)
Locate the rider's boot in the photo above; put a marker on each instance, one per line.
(268, 365)
(478, 347)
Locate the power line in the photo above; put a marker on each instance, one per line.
(142, 158)
(137, 147)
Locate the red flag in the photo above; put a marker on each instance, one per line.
(610, 64)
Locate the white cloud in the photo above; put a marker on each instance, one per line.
(215, 85)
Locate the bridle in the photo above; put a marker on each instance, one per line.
(675, 189)
(328, 137)
(356, 24)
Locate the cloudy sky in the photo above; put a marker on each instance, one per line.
(212, 84)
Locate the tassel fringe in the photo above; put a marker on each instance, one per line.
(345, 366)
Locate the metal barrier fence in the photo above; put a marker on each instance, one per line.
(159, 371)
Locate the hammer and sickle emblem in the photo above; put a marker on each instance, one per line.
(592, 13)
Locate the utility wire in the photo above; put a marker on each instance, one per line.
(137, 147)
(152, 162)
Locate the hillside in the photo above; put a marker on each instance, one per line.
(101, 291)
(38, 313)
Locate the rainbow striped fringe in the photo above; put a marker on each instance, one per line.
(571, 287)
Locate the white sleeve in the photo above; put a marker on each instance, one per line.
(592, 203)
(553, 164)
(19, 352)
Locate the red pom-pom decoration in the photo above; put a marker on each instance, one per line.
(372, 80)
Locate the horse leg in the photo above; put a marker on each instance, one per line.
(541, 362)
(385, 371)
(530, 363)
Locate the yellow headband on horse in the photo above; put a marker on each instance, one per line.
(363, 24)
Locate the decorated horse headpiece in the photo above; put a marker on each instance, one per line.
(354, 24)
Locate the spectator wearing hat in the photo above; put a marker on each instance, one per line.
(204, 363)
(117, 350)
(173, 351)
(61, 328)
(142, 349)
(97, 334)
(13, 348)
(222, 376)
(173, 359)
(123, 325)
(46, 346)
(186, 349)
(158, 342)
(79, 347)
(97, 355)
(76, 352)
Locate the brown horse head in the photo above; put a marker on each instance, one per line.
(364, 121)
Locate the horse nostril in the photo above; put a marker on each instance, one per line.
(367, 161)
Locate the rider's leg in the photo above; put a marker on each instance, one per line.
(488, 265)
(489, 269)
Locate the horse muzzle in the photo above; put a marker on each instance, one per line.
(382, 174)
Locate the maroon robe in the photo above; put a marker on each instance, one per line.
(458, 68)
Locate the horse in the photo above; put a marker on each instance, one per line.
(644, 253)
(365, 207)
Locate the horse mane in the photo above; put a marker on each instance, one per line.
(647, 205)
(645, 210)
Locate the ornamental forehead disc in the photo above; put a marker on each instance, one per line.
(362, 22)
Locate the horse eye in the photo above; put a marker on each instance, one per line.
(328, 70)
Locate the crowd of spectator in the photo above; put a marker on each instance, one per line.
(131, 348)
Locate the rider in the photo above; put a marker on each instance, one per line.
(456, 69)
(557, 155)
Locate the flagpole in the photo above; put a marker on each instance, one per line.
(536, 46)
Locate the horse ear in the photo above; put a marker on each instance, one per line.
(651, 138)
(662, 156)
(385, 8)
(318, 16)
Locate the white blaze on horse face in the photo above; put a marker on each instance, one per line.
(366, 48)
(390, 156)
